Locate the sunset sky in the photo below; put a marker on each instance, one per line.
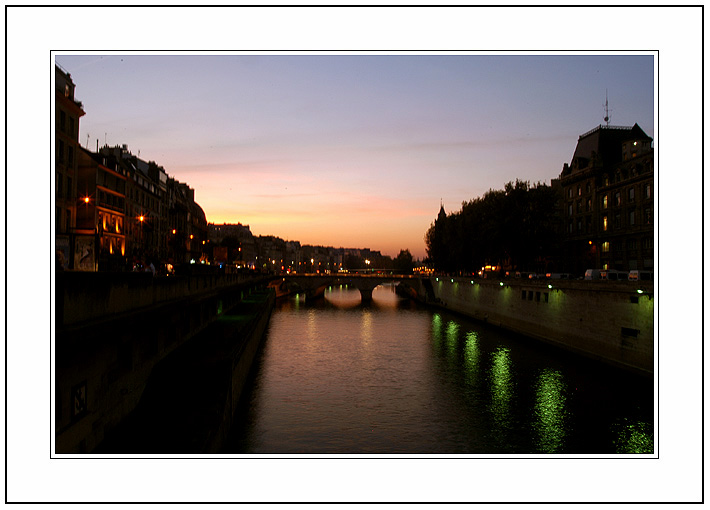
(353, 150)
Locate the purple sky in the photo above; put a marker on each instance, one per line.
(353, 150)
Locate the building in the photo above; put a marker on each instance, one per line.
(101, 213)
(608, 204)
(187, 231)
(145, 226)
(67, 111)
(233, 243)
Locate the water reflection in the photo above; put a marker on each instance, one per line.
(550, 413)
(502, 389)
(471, 355)
(633, 437)
(436, 326)
(339, 376)
(452, 338)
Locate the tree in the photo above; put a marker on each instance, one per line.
(404, 262)
(515, 227)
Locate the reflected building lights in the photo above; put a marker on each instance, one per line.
(366, 327)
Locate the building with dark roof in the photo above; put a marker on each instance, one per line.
(608, 201)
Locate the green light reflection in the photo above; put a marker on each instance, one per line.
(550, 411)
(502, 389)
(634, 437)
(471, 355)
(452, 336)
(436, 328)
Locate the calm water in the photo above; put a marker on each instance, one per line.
(337, 377)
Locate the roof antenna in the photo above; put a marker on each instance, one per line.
(606, 109)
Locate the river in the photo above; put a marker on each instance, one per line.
(394, 377)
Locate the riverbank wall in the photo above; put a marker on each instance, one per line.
(113, 329)
(608, 321)
(191, 397)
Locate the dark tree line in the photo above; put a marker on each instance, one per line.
(515, 228)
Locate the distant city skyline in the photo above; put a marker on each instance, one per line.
(353, 151)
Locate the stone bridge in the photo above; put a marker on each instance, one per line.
(314, 285)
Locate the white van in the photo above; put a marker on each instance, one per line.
(614, 275)
(637, 275)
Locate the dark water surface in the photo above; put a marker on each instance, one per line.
(392, 377)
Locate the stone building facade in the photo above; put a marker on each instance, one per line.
(607, 201)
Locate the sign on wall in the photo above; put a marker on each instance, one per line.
(84, 253)
(62, 252)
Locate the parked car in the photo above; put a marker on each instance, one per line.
(558, 276)
(593, 274)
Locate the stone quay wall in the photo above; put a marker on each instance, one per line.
(609, 321)
(111, 329)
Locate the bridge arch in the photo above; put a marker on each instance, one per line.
(315, 285)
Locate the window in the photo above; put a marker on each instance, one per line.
(605, 222)
(605, 247)
(647, 243)
(569, 192)
(589, 187)
(605, 201)
(647, 216)
(60, 185)
(647, 191)
(62, 120)
(589, 204)
(569, 210)
(632, 194)
(631, 245)
(617, 221)
(579, 225)
(632, 218)
(579, 206)
(617, 198)
(579, 191)
(68, 221)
